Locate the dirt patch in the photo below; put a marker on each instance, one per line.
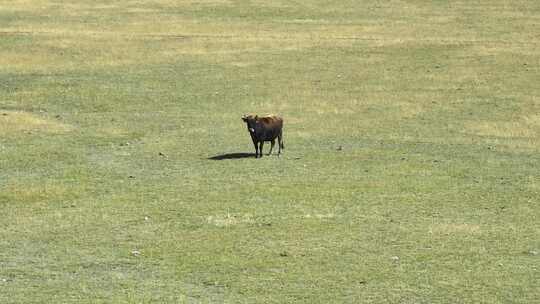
(229, 220)
(320, 216)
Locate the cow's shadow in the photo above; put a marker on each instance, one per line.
(232, 156)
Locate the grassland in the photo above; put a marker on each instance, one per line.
(110, 113)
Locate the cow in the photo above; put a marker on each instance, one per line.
(263, 129)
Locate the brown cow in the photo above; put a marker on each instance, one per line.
(263, 129)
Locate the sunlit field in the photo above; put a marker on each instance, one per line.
(411, 169)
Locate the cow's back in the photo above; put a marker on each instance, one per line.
(272, 126)
(271, 121)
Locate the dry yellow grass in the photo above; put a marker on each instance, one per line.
(506, 129)
(532, 120)
(454, 228)
(393, 145)
(16, 122)
(33, 193)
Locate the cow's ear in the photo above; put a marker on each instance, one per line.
(256, 117)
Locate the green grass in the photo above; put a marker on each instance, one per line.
(111, 110)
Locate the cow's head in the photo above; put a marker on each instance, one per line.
(251, 121)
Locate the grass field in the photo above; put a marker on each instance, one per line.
(112, 115)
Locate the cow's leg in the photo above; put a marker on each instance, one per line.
(272, 142)
(280, 142)
(256, 144)
(261, 148)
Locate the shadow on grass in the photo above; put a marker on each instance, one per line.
(232, 156)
